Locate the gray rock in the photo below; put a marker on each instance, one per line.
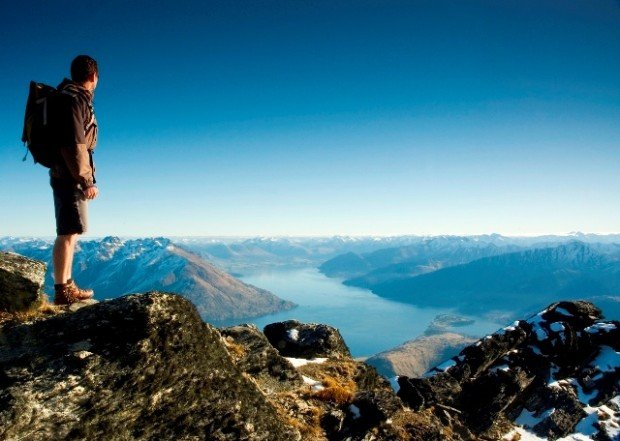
(137, 367)
(376, 407)
(79, 305)
(21, 282)
(259, 359)
(306, 340)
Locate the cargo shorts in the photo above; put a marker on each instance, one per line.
(70, 206)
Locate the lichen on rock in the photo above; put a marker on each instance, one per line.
(136, 367)
(21, 282)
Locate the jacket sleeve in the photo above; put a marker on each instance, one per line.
(75, 152)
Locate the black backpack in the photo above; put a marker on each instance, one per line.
(40, 131)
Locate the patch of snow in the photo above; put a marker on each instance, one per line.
(355, 411)
(297, 362)
(509, 328)
(597, 327)
(563, 312)
(529, 419)
(587, 425)
(607, 360)
(314, 384)
(557, 327)
(394, 383)
(501, 367)
(443, 367)
(538, 318)
(535, 350)
(541, 334)
(293, 334)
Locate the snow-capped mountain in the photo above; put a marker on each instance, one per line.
(113, 267)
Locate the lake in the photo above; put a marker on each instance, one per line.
(368, 323)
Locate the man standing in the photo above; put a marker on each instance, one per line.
(72, 177)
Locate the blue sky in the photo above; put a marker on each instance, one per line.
(328, 117)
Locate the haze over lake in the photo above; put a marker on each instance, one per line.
(368, 323)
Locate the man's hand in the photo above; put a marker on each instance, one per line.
(91, 192)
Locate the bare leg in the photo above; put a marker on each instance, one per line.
(64, 247)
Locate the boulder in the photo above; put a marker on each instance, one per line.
(21, 282)
(138, 367)
(376, 406)
(306, 340)
(254, 355)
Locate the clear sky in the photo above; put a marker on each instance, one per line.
(327, 117)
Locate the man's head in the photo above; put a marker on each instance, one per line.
(84, 71)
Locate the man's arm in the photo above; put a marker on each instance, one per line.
(74, 151)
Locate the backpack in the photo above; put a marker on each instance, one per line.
(39, 134)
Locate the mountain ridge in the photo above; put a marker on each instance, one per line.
(507, 281)
(113, 267)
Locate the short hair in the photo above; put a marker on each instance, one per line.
(83, 67)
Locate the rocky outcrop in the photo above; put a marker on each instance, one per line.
(558, 369)
(137, 367)
(339, 399)
(21, 282)
(254, 355)
(306, 340)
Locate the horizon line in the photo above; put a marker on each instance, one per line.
(311, 236)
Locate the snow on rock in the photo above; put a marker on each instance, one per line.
(563, 312)
(314, 384)
(355, 411)
(598, 327)
(297, 362)
(293, 334)
(394, 383)
(530, 419)
(443, 367)
(557, 327)
(607, 360)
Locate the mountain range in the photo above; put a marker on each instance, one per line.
(518, 281)
(242, 254)
(113, 267)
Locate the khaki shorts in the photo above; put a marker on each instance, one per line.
(71, 207)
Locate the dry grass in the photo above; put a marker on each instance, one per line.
(300, 414)
(234, 349)
(337, 379)
(336, 391)
(44, 309)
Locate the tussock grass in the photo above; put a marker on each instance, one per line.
(42, 310)
(234, 349)
(336, 391)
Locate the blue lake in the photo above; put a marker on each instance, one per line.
(368, 323)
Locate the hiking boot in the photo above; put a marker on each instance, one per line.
(79, 293)
(69, 293)
(64, 295)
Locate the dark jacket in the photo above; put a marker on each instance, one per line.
(77, 135)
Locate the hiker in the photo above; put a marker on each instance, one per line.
(72, 174)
